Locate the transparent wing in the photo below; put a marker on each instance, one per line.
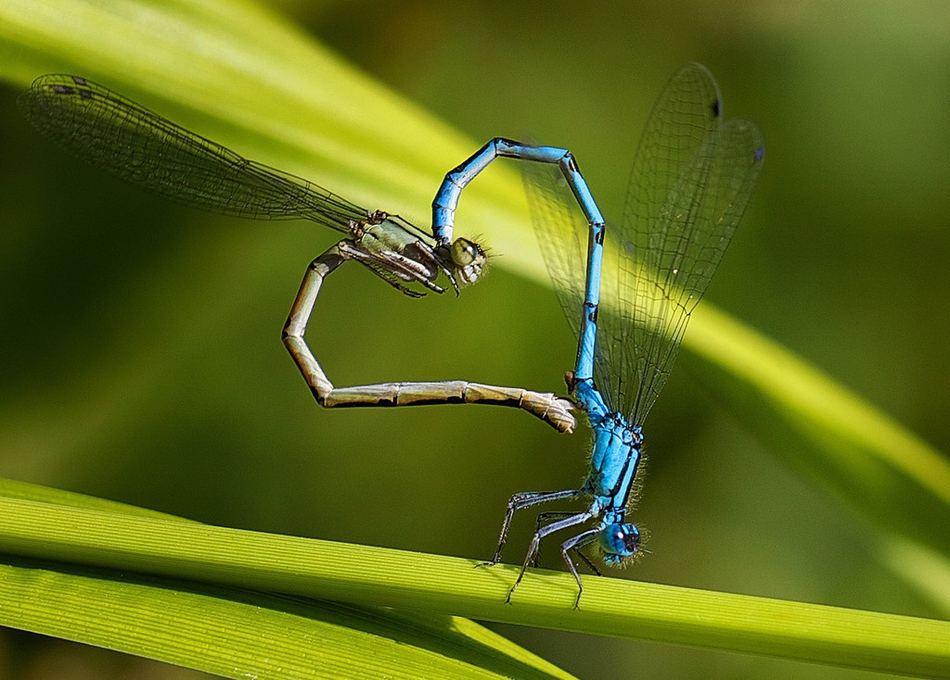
(562, 234)
(692, 177)
(117, 135)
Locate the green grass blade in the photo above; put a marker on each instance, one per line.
(241, 634)
(383, 577)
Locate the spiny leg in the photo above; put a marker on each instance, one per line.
(575, 544)
(542, 520)
(546, 517)
(520, 501)
(569, 521)
(395, 269)
(586, 560)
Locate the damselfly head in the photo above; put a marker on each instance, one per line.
(619, 541)
(468, 259)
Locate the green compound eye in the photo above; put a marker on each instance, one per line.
(468, 258)
(466, 253)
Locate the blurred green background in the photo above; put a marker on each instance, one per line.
(140, 354)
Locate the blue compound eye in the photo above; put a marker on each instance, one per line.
(619, 541)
